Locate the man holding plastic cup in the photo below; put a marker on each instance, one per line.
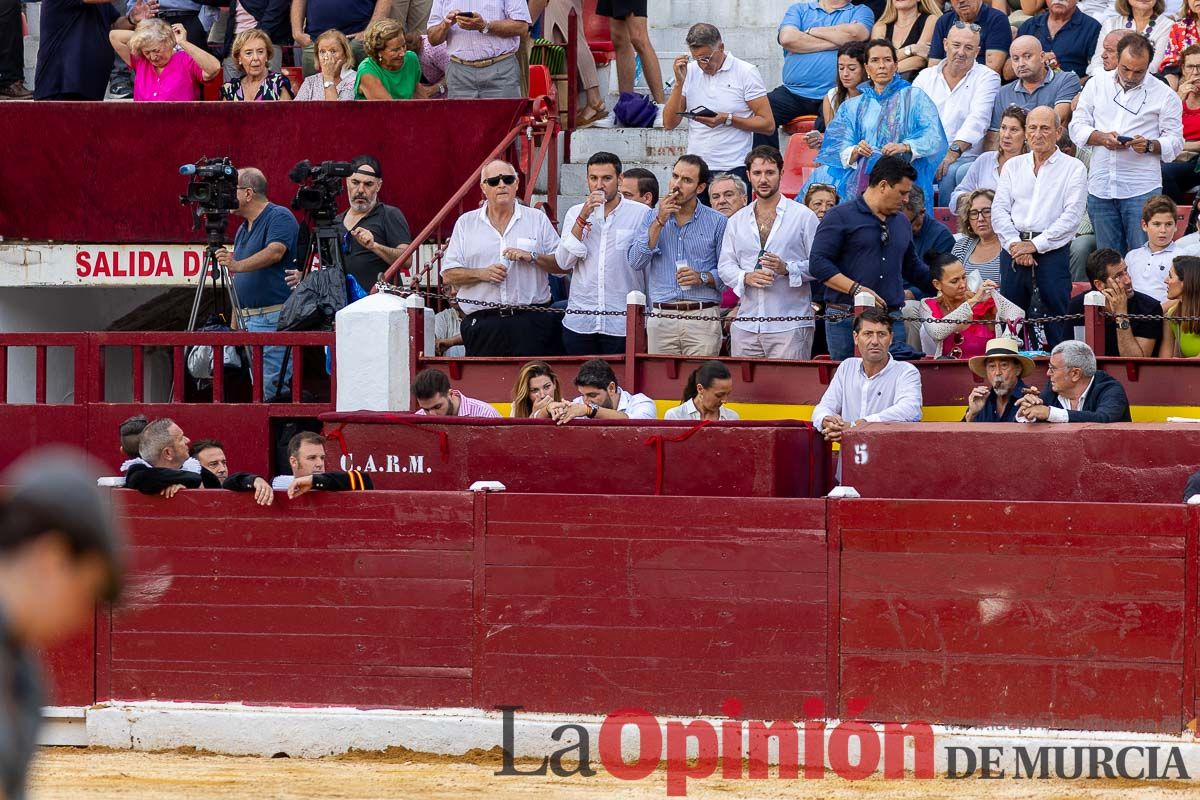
(677, 247)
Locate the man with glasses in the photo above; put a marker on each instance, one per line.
(1039, 203)
(1066, 33)
(264, 249)
(1035, 85)
(995, 34)
(866, 245)
(727, 86)
(374, 233)
(1076, 391)
(499, 256)
(1134, 125)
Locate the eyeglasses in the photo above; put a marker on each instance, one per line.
(974, 28)
(884, 236)
(507, 180)
(1191, 67)
(976, 213)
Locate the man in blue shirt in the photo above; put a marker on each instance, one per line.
(810, 35)
(264, 248)
(1066, 32)
(866, 245)
(311, 18)
(995, 34)
(1003, 368)
(678, 246)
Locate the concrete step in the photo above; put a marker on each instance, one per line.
(727, 15)
(757, 45)
(654, 145)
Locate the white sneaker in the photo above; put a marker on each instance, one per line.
(658, 123)
(609, 121)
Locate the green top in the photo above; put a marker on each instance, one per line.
(400, 84)
(1188, 344)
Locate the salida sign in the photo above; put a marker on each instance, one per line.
(136, 264)
(96, 265)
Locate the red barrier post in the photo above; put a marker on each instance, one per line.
(635, 337)
(1093, 322)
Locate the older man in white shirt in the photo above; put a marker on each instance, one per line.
(873, 388)
(732, 89)
(595, 251)
(498, 257)
(1039, 203)
(1134, 123)
(764, 259)
(963, 91)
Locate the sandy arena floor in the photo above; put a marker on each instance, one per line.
(76, 774)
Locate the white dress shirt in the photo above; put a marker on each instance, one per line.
(892, 395)
(688, 411)
(790, 238)
(634, 406)
(601, 277)
(727, 92)
(1111, 21)
(476, 244)
(1151, 109)
(1149, 270)
(965, 110)
(1050, 203)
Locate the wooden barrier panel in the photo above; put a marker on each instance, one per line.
(591, 604)
(1016, 614)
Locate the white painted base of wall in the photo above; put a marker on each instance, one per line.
(236, 729)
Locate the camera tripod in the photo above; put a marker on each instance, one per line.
(321, 237)
(222, 284)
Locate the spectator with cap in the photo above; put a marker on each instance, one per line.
(60, 554)
(1004, 369)
(600, 397)
(435, 398)
(1076, 390)
(376, 233)
(482, 37)
(705, 395)
(306, 456)
(718, 81)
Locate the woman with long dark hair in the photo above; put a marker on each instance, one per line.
(1181, 338)
(705, 394)
(536, 388)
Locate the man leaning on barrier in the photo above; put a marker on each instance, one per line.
(1003, 367)
(1076, 391)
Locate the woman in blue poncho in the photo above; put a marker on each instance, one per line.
(890, 117)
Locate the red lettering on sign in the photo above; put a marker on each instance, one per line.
(164, 265)
(191, 263)
(83, 266)
(145, 264)
(102, 267)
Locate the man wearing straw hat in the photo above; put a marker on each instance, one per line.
(1003, 368)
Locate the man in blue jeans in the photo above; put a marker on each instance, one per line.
(311, 18)
(866, 245)
(264, 248)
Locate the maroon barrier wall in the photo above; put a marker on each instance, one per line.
(1064, 615)
(1119, 463)
(728, 459)
(115, 166)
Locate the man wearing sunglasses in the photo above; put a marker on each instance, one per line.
(498, 257)
(994, 32)
(1134, 124)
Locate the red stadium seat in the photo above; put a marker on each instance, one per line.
(212, 89)
(947, 217)
(295, 76)
(1079, 287)
(594, 28)
(539, 81)
(799, 161)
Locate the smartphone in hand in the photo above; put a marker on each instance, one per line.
(699, 111)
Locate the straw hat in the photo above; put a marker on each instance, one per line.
(1003, 347)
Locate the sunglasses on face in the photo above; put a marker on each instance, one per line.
(507, 180)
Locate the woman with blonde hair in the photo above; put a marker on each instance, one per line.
(536, 388)
(908, 24)
(979, 249)
(335, 77)
(252, 52)
(390, 71)
(166, 66)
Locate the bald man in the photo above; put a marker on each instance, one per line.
(264, 249)
(1035, 85)
(498, 257)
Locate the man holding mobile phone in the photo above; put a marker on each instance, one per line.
(482, 38)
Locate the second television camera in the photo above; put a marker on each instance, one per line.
(319, 187)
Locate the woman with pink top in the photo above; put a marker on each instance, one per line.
(166, 66)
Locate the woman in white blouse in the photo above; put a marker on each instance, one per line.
(984, 173)
(1137, 16)
(704, 396)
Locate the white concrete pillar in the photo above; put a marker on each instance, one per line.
(374, 352)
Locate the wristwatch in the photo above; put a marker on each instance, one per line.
(329, 84)
(908, 50)
(1124, 324)
(592, 409)
(486, 27)
(728, 120)
(956, 147)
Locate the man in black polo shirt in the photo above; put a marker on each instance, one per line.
(1127, 338)
(375, 233)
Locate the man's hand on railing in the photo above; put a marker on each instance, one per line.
(263, 494)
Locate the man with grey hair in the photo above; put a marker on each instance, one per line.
(166, 468)
(723, 98)
(1077, 392)
(727, 193)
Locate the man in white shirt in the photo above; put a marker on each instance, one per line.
(873, 388)
(500, 254)
(729, 93)
(764, 259)
(595, 251)
(1134, 123)
(1039, 203)
(601, 398)
(963, 91)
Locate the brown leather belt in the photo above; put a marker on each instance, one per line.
(689, 305)
(483, 62)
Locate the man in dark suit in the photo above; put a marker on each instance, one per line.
(1077, 392)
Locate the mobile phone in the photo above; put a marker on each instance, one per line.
(1124, 139)
(469, 14)
(699, 111)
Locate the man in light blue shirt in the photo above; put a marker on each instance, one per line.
(810, 35)
(678, 246)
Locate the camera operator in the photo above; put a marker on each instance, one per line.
(377, 232)
(264, 248)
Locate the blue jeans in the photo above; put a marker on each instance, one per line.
(839, 336)
(954, 175)
(1118, 223)
(272, 356)
(1053, 275)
